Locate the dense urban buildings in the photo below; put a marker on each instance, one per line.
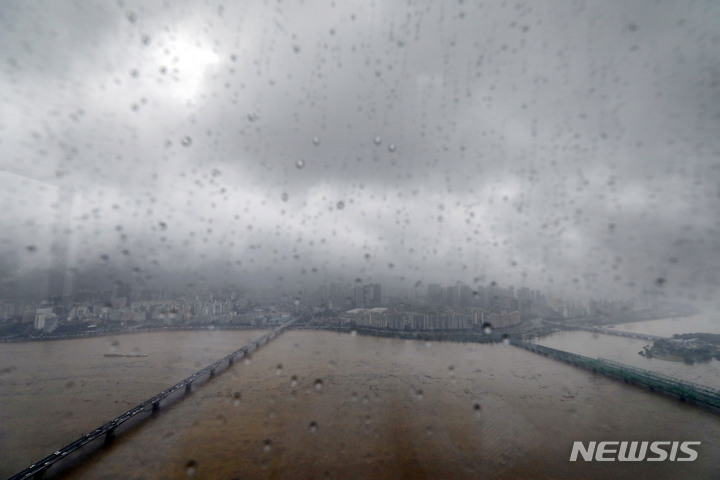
(436, 307)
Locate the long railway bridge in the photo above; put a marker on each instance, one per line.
(39, 469)
(656, 382)
(605, 331)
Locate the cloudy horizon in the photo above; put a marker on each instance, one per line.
(565, 147)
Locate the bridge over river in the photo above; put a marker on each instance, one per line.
(656, 382)
(605, 331)
(39, 469)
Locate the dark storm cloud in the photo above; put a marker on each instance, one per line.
(569, 146)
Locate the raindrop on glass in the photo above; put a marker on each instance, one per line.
(191, 467)
(340, 205)
(293, 381)
(318, 384)
(186, 141)
(313, 427)
(279, 369)
(391, 148)
(267, 445)
(377, 140)
(299, 163)
(487, 328)
(236, 398)
(316, 141)
(284, 197)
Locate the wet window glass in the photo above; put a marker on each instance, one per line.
(380, 239)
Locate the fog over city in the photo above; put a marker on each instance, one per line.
(561, 146)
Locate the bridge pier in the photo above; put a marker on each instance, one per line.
(40, 475)
(212, 372)
(110, 436)
(231, 361)
(188, 387)
(155, 407)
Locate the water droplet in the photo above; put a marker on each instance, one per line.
(191, 467)
(293, 381)
(221, 420)
(313, 426)
(70, 384)
(299, 163)
(506, 339)
(236, 398)
(316, 141)
(660, 282)
(487, 328)
(296, 301)
(353, 333)
(318, 384)
(31, 248)
(451, 371)
(267, 445)
(354, 397)
(340, 205)
(377, 140)
(391, 148)
(429, 430)
(284, 197)
(279, 369)
(419, 394)
(477, 408)
(186, 141)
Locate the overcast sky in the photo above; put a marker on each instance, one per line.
(568, 146)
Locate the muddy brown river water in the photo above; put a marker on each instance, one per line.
(315, 404)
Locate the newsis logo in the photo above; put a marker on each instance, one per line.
(634, 451)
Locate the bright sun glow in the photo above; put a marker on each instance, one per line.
(186, 62)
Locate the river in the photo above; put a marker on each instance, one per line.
(626, 350)
(314, 404)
